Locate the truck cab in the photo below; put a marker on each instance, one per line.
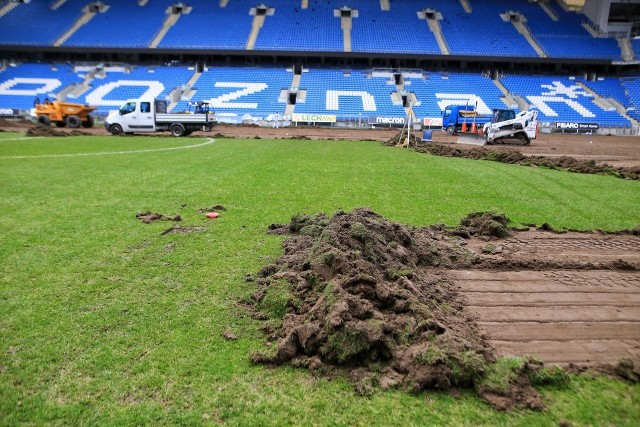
(454, 115)
(135, 115)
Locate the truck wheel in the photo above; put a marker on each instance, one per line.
(88, 123)
(44, 120)
(115, 129)
(74, 121)
(451, 130)
(177, 129)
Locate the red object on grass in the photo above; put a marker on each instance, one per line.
(213, 215)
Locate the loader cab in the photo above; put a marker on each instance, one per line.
(500, 115)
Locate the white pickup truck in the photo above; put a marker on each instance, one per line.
(150, 115)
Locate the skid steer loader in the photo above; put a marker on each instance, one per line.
(506, 127)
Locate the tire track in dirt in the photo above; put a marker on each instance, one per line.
(580, 316)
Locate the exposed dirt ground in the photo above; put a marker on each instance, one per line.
(565, 298)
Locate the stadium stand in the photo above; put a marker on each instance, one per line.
(398, 30)
(635, 44)
(348, 94)
(609, 88)
(110, 29)
(24, 24)
(499, 29)
(209, 26)
(561, 99)
(260, 92)
(293, 28)
(632, 89)
(562, 36)
(230, 90)
(20, 85)
(438, 90)
(482, 31)
(110, 89)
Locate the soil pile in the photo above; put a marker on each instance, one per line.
(48, 131)
(148, 217)
(213, 208)
(361, 293)
(401, 138)
(511, 156)
(15, 123)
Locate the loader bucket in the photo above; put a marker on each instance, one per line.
(471, 139)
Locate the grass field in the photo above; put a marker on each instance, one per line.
(103, 320)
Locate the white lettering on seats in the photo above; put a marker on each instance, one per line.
(333, 99)
(557, 88)
(541, 103)
(46, 86)
(154, 89)
(247, 89)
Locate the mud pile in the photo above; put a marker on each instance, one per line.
(360, 293)
(148, 217)
(511, 156)
(400, 138)
(48, 131)
(15, 123)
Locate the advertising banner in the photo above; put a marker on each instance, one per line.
(432, 121)
(315, 118)
(390, 121)
(576, 126)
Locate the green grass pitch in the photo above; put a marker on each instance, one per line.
(104, 320)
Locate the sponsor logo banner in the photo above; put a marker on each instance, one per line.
(8, 112)
(394, 121)
(432, 121)
(318, 118)
(576, 126)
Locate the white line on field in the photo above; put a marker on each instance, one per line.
(20, 139)
(105, 153)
